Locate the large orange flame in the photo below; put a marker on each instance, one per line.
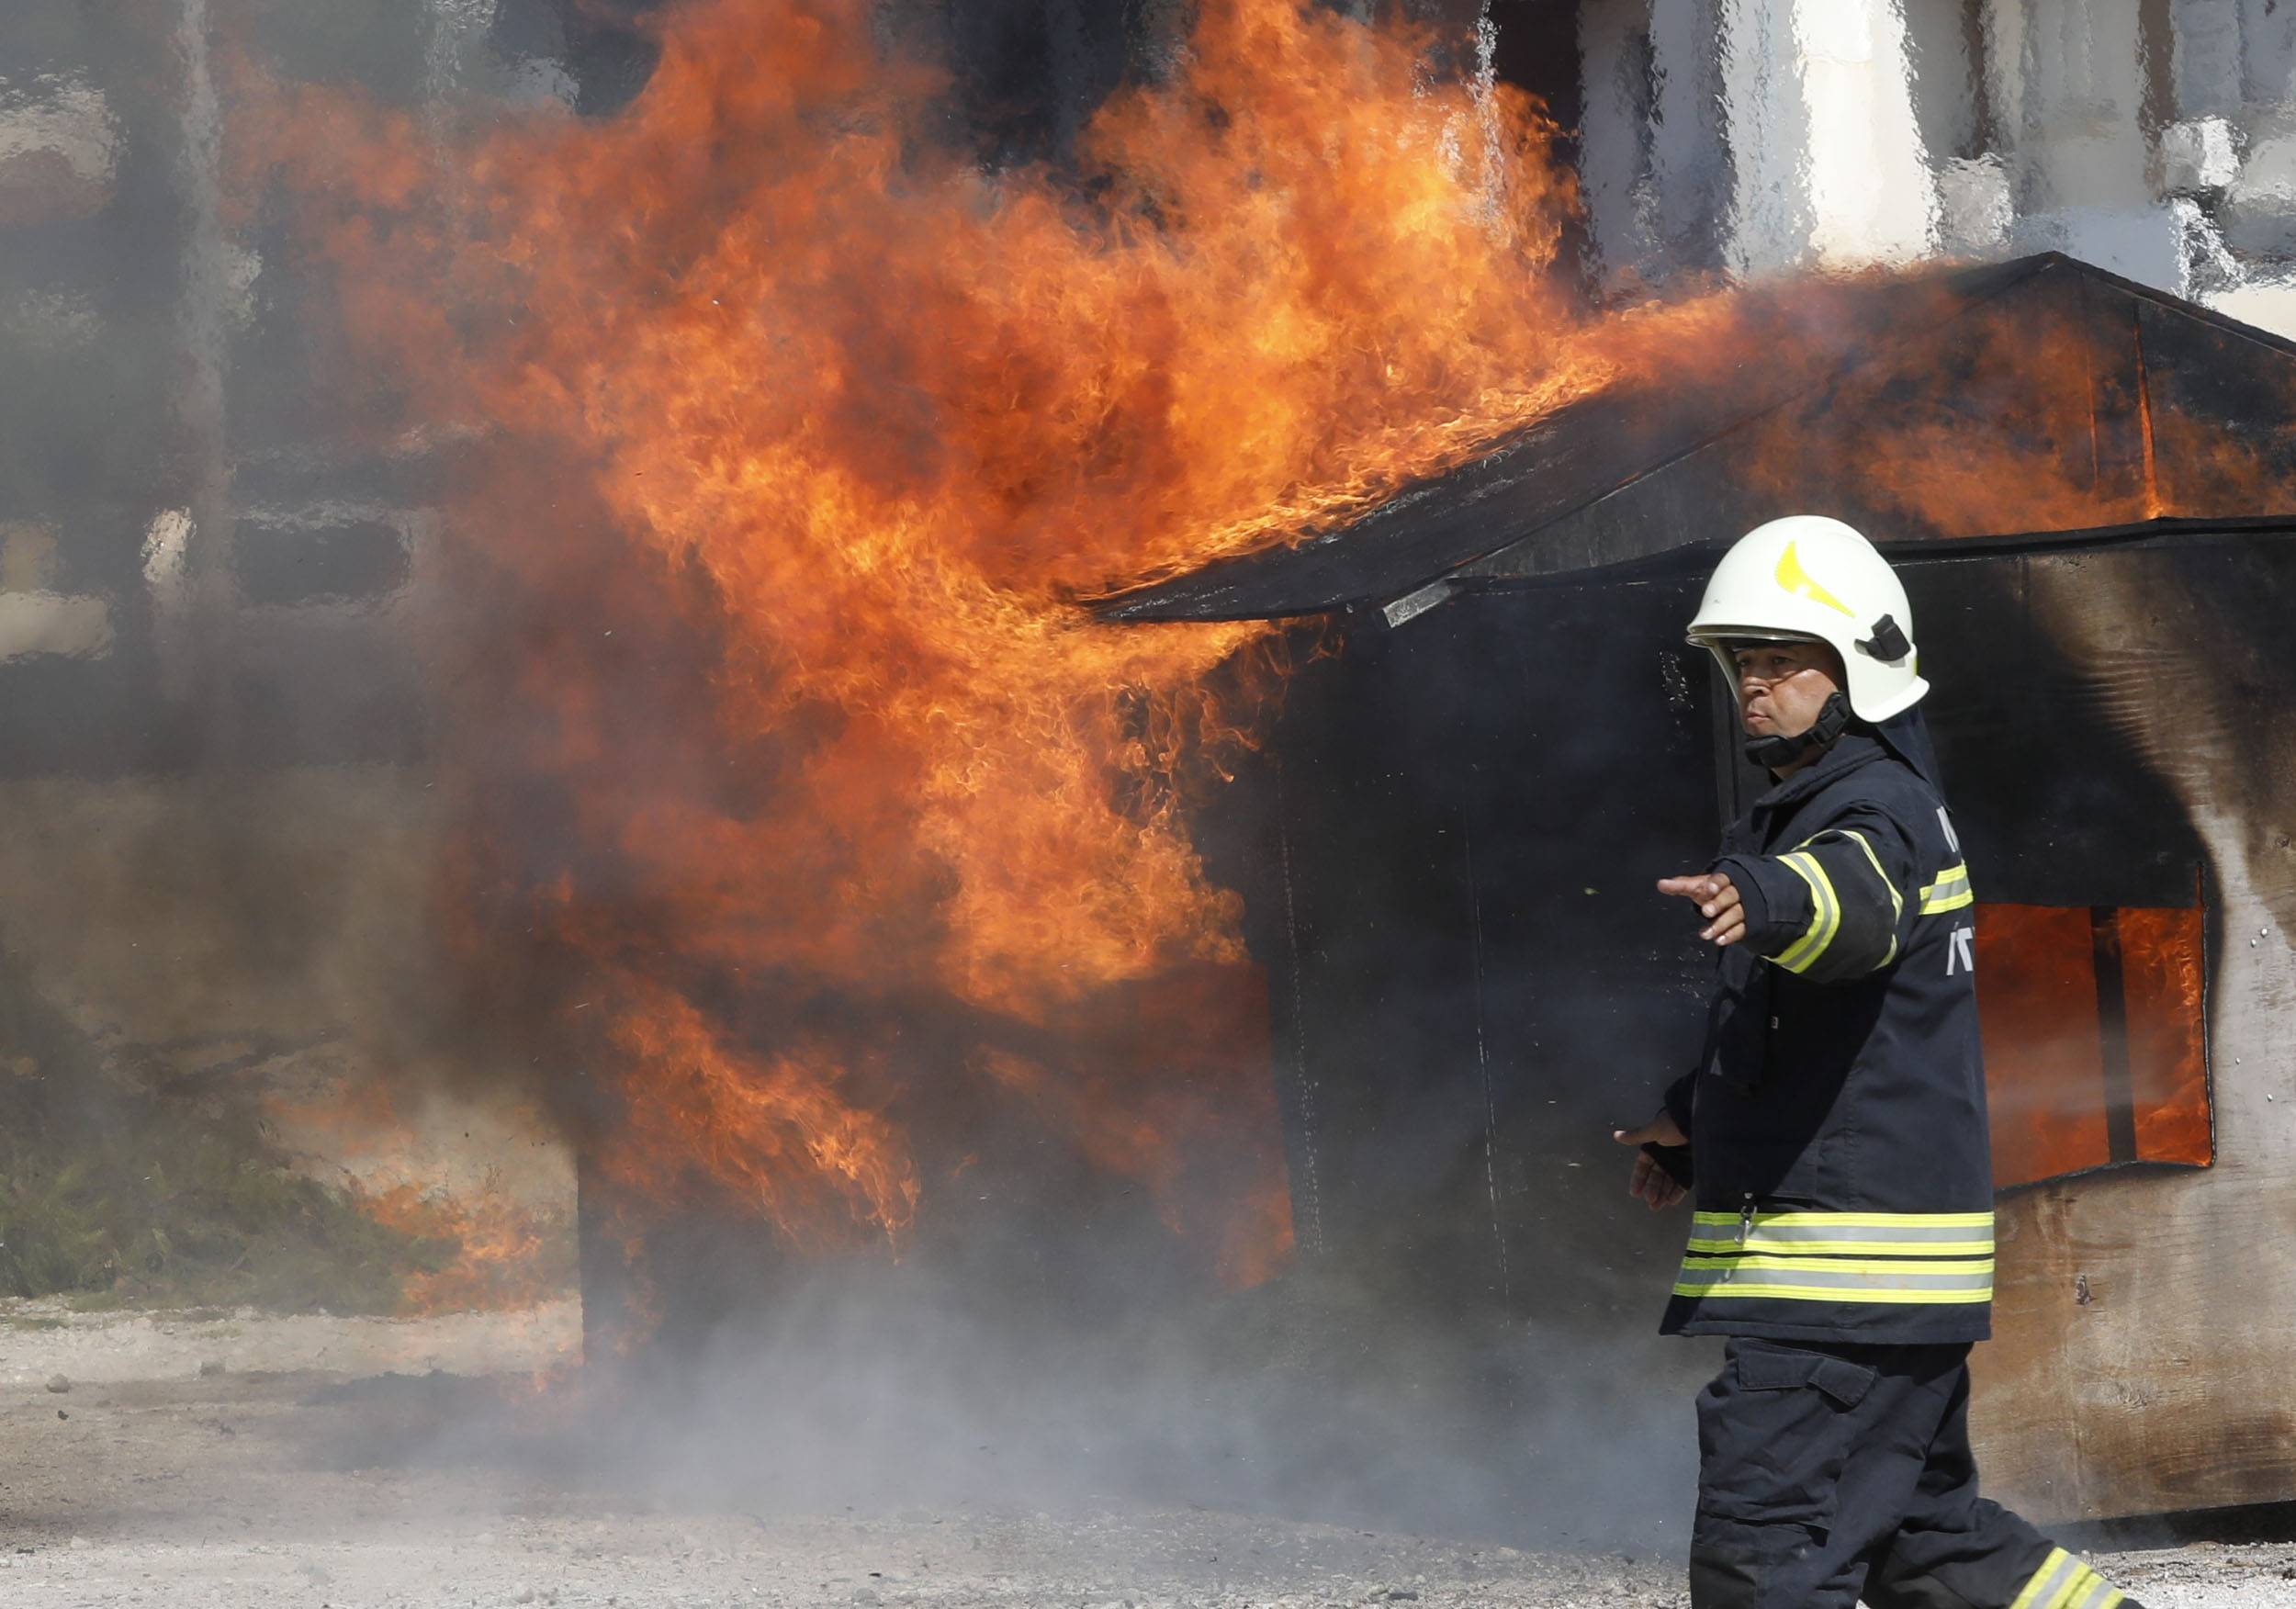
(797, 435)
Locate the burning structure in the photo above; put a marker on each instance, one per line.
(2087, 487)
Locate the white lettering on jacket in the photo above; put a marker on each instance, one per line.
(1960, 954)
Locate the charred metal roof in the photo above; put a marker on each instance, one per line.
(2124, 402)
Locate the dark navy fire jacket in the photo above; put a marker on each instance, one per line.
(1840, 1166)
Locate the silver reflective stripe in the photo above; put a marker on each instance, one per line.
(1951, 892)
(1910, 1234)
(1912, 1277)
(1868, 1233)
(1778, 1246)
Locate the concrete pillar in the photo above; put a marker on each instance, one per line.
(1770, 223)
(2072, 93)
(2268, 50)
(1872, 198)
(1948, 102)
(2199, 145)
(2260, 209)
(2075, 114)
(1830, 166)
(2207, 69)
(1653, 164)
(1691, 172)
(1615, 133)
(202, 583)
(1952, 106)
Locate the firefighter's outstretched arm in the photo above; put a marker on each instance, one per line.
(1828, 909)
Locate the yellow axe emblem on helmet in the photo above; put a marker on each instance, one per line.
(1798, 581)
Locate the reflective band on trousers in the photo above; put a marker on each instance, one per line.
(1949, 892)
(1840, 1256)
(2063, 1581)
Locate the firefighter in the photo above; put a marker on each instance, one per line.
(1833, 1133)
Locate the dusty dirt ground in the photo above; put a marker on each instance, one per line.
(219, 1461)
(39, 1340)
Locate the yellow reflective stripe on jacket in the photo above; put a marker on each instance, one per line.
(1909, 1227)
(1949, 892)
(1826, 913)
(1839, 1257)
(2064, 1581)
(1896, 900)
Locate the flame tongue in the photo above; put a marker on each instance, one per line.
(804, 434)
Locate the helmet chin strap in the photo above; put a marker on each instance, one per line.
(1770, 753)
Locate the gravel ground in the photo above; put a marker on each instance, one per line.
(552, 1552)
(41, 1339)
(316, 1487)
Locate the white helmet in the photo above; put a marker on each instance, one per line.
(1809, 578)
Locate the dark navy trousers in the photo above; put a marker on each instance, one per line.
(1830, 1473)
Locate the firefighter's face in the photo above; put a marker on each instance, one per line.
(1783, 687)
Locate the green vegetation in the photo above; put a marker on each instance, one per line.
(164, 1211)
(111, 1193)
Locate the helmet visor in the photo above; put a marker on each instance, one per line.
(1729, 640)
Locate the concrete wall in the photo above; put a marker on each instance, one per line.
(2142, 1360)
(218, 828)
(2154, 138)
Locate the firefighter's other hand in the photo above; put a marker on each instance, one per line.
(1652, 1182)
(1717, 901)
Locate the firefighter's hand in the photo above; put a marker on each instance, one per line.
(1649, 1180)
(1717, 901)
